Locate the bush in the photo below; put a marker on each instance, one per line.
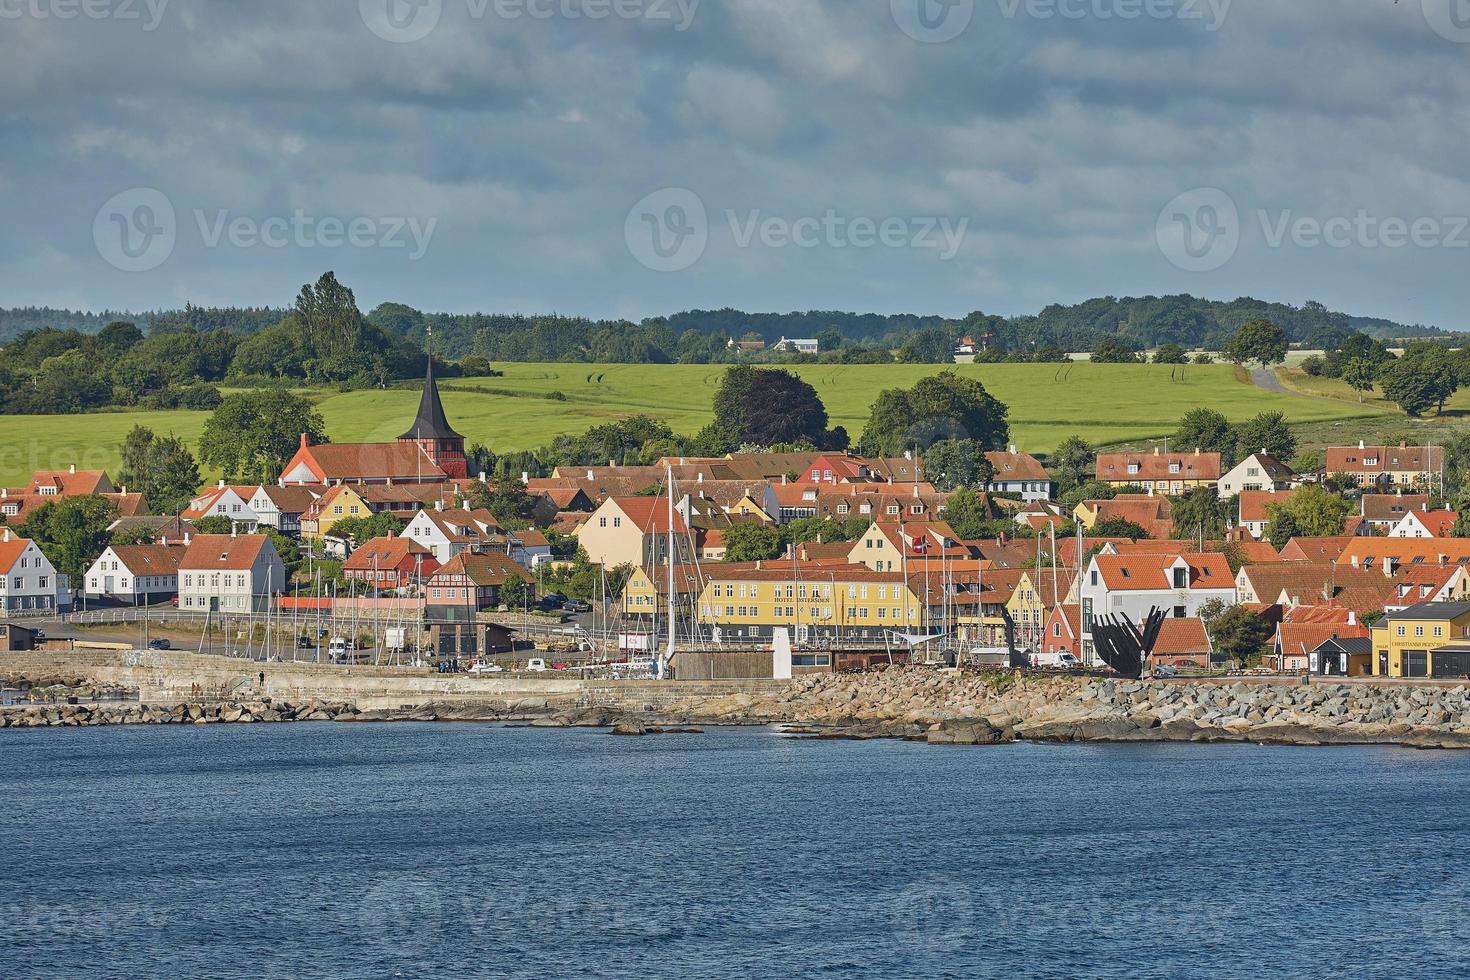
(1314, 366)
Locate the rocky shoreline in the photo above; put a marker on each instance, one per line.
(937, 708)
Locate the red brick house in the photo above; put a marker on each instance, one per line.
(391, 563)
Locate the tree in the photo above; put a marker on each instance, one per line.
(928, 347)
(253, 434)
(829, 339)
(514, 592)
(1072, 463)
(1201, 512)
(215, 524)
(953, 463)
(1239, 634)
(1462, 525)
(1257, 340)
(752, 542)
(118, 336)
(1359, 375)
(1205, 429)
(1117, 527)
(1317, 512)
(329, 315)
(966, 514)
(71, 532)
(1421, 379)
(940, 406)
(1281, 529)
(1170, 354)
(1110, 351)
(1266, 432)
(360, 530)
(162, 469)
(769, 406)
(507, 500)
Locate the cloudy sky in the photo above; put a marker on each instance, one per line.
(632, 157)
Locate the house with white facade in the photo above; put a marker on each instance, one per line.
(1425, 524)
(799, 345)
(1020, 473)
(28, 580)
(450, 533)
(1258, 471)
(137, 574)
(225, 501)
(229, 573)
(1129, 586)
(281, 507)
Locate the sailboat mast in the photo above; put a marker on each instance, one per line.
(669, 564)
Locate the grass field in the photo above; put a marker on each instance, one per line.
(1103, 403)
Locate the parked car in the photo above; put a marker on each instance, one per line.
(553, 600)
(1068, 661)
(1165, 670)
(304, 643)
(577, 606)
(159, 644)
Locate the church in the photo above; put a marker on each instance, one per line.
(429, 452)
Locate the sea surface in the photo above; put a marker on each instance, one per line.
(468, 851)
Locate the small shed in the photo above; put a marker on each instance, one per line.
(15, 638)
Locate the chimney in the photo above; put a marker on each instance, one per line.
(482, 476)
(1390, 565)
(525, 476)
(908, 454)
(612, 464)
(589, 475)
(1352, 619)
(1196, 450)
(4, 534)
(73, 468)
(304, 441)
(186, 537)
(222, 484)
(1362, 444)
(439, 504)
(700, 478)
(1156, 450)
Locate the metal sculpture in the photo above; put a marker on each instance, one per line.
(1122, 645)
(1018, 659)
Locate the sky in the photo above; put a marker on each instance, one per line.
(626, 158)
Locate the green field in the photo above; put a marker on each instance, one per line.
(1103, 403)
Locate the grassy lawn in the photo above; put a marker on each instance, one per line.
(1390, 427)
(1103, 403)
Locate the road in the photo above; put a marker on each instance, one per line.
(1266, 380)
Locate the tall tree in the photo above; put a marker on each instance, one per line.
(1072, 463)
(769, 406)
(752, 542)
(1239, 634)
(940, 406)
(953, 463)
(329, 315)
(1206, 429)
(1257, 340)
(1201, 512)
(1360, 373)
(1267, 431)
(160, 467)
(252, 434)
(1316, 511)
(71, 532)
(966, 514)
(1423, 378)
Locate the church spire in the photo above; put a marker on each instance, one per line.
(431, 422)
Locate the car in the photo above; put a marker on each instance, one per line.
(577, 606)
(1166, 670)
(159, 643)
(486, 668)
(304, 643)
(1068, 661)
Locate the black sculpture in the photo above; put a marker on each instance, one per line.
(1018, 659)
(1123, 646)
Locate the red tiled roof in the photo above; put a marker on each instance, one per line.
(1389, 459)
(1130, 573)
(1389, 507)
(224, 552)
(1253, 503)
(1017, 466)
(150, 559)
(1181, 637)
(650, 514)
(387, 553)
(1114, 467)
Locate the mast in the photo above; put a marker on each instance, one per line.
(669, 564)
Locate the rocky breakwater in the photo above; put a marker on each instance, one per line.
(989, 709)
(187, 713)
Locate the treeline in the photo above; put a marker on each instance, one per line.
(713, 336)
(322, 339)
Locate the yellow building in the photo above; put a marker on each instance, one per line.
(337, 504)
(1431, 639)
(833, 603)
(1032, 601)
(894, 547)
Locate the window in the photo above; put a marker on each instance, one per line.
(1418, 631)
(602, 522)
(1056, 629)
(617, 522)
(1180, 612)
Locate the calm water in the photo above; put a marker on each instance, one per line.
(382, 851)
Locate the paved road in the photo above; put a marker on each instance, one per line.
(1265, 378)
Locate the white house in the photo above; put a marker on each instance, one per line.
(28, 580)
(1258, 471)
(224, 501)
(449, 533)
(529, 548)
(801, 346)
(1020, 473)
(230, 573)
(280, 507)
(1129, 586)
(1425, 524)
(137, 574)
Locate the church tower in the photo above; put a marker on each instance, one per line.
(431, 430)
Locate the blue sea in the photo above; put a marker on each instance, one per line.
(477, 851)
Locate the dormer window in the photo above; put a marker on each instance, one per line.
(1133, 468)
(1369, 460)
(1175, 467)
